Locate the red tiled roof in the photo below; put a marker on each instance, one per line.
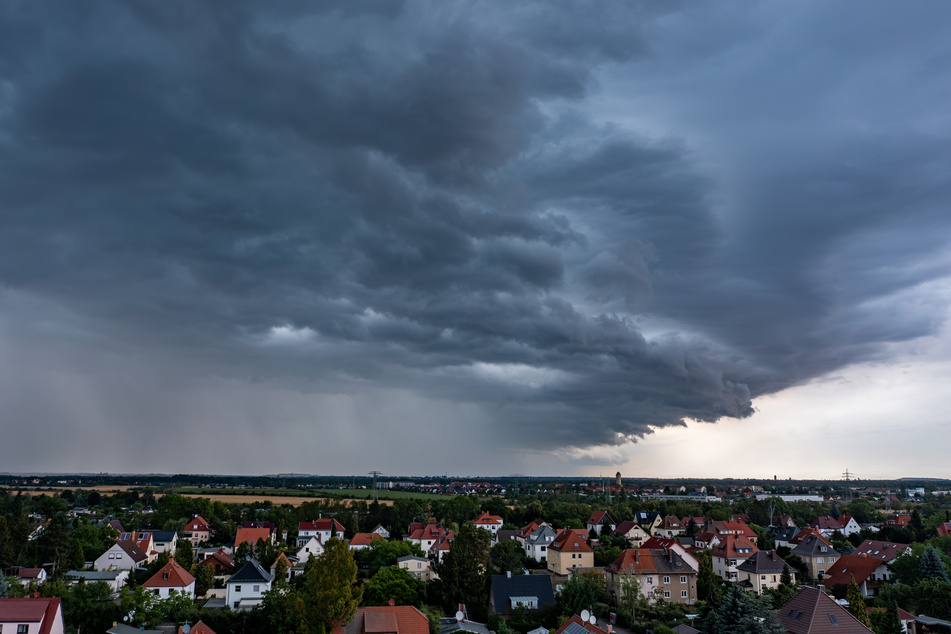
(323, 524)
(198, 628)
(485, 518)
(571, 540)
(197, 523)
(251, 536)
(598, 517)
(365, 539)
(30, 611)
(430, 531)
(171, 575)
(885, 551)
(809, 613)
(731, 545)
(387, 619)
(594, 629)
(29, 573)
(848, 566)
(828, 523)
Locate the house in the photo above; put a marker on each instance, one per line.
(312, 548)
(648, 520)
(387, 619)
(453, 625)
(706, 539)
(730, 527)
(885, 551)
(730, 553)
(522, 533)
(670, 527)
(115, 579)
(268, 525)
(246, 588)
(292, 570)
(633, 531)
(536, 545)
(869, 573)
(221, 562)
(491, 523)
(251, 536)
(812, 611)
(32, 616)
(124, 554)
(427, 535)
(419, 567)
(898, 521)
(323, 529)
(763, 570)
(569, 550)
(662, 574)
(197, 531)
(382, 532)
(31, 575)
(508, 592)
(817, 553)
(144, 541)
(440, 547)
(363, 540)
(826, 525)
(661, 543)
(783, 537)
(171, 578)
(601, 522)
(162, 541)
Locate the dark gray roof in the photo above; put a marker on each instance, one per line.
(251, 571)
(573, 628)
(812, 546)
(451, 625)
(504, 588)
(763, 562)
(506, 535)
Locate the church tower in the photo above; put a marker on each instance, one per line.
(617, 478)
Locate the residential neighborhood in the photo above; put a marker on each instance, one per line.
(499, 563)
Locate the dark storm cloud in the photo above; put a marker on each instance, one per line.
(424, 197)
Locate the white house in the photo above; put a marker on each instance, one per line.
(171, 578)
(536, 544)
(115, 579)
(382, 532)
(312, 548)
(491, 523)
(322, 529)
(31, 616)
(124, 555)
(246, 588)
(419, 567)
(162, 541)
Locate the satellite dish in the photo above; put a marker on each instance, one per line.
(460, 616)
(593, 620)
(585, 615)
(186, 628)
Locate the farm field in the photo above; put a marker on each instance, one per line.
(293, 500)
(356, 494)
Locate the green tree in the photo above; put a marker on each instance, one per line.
(464, 572)
(204, 580)
(580, 593)
(891, 624)
(707, 581)
(397, 584)
(183, 553)
(280, 571)
(740, 612)
(930, 566)
(330, 593)
(382, 553)
(77, 559)
(507, 556)
(857, 603)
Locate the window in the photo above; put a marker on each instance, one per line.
(419, 565)
(834, 620)
(763, 578)
(237, 588)
(23, 629)
(542, 548)
(831, 560)
(118, 555)
(165, 576)
(820, 560)
(650, 581)
(112, 555)
(257, 588)
(666, 579)
(774, 578)
(666, 594)
(683, 594)
(683, 579)
(822, 572)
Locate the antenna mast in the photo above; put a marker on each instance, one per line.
(375, 474)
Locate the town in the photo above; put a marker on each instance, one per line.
(374, 555)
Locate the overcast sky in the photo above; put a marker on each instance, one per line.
(697, 239)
